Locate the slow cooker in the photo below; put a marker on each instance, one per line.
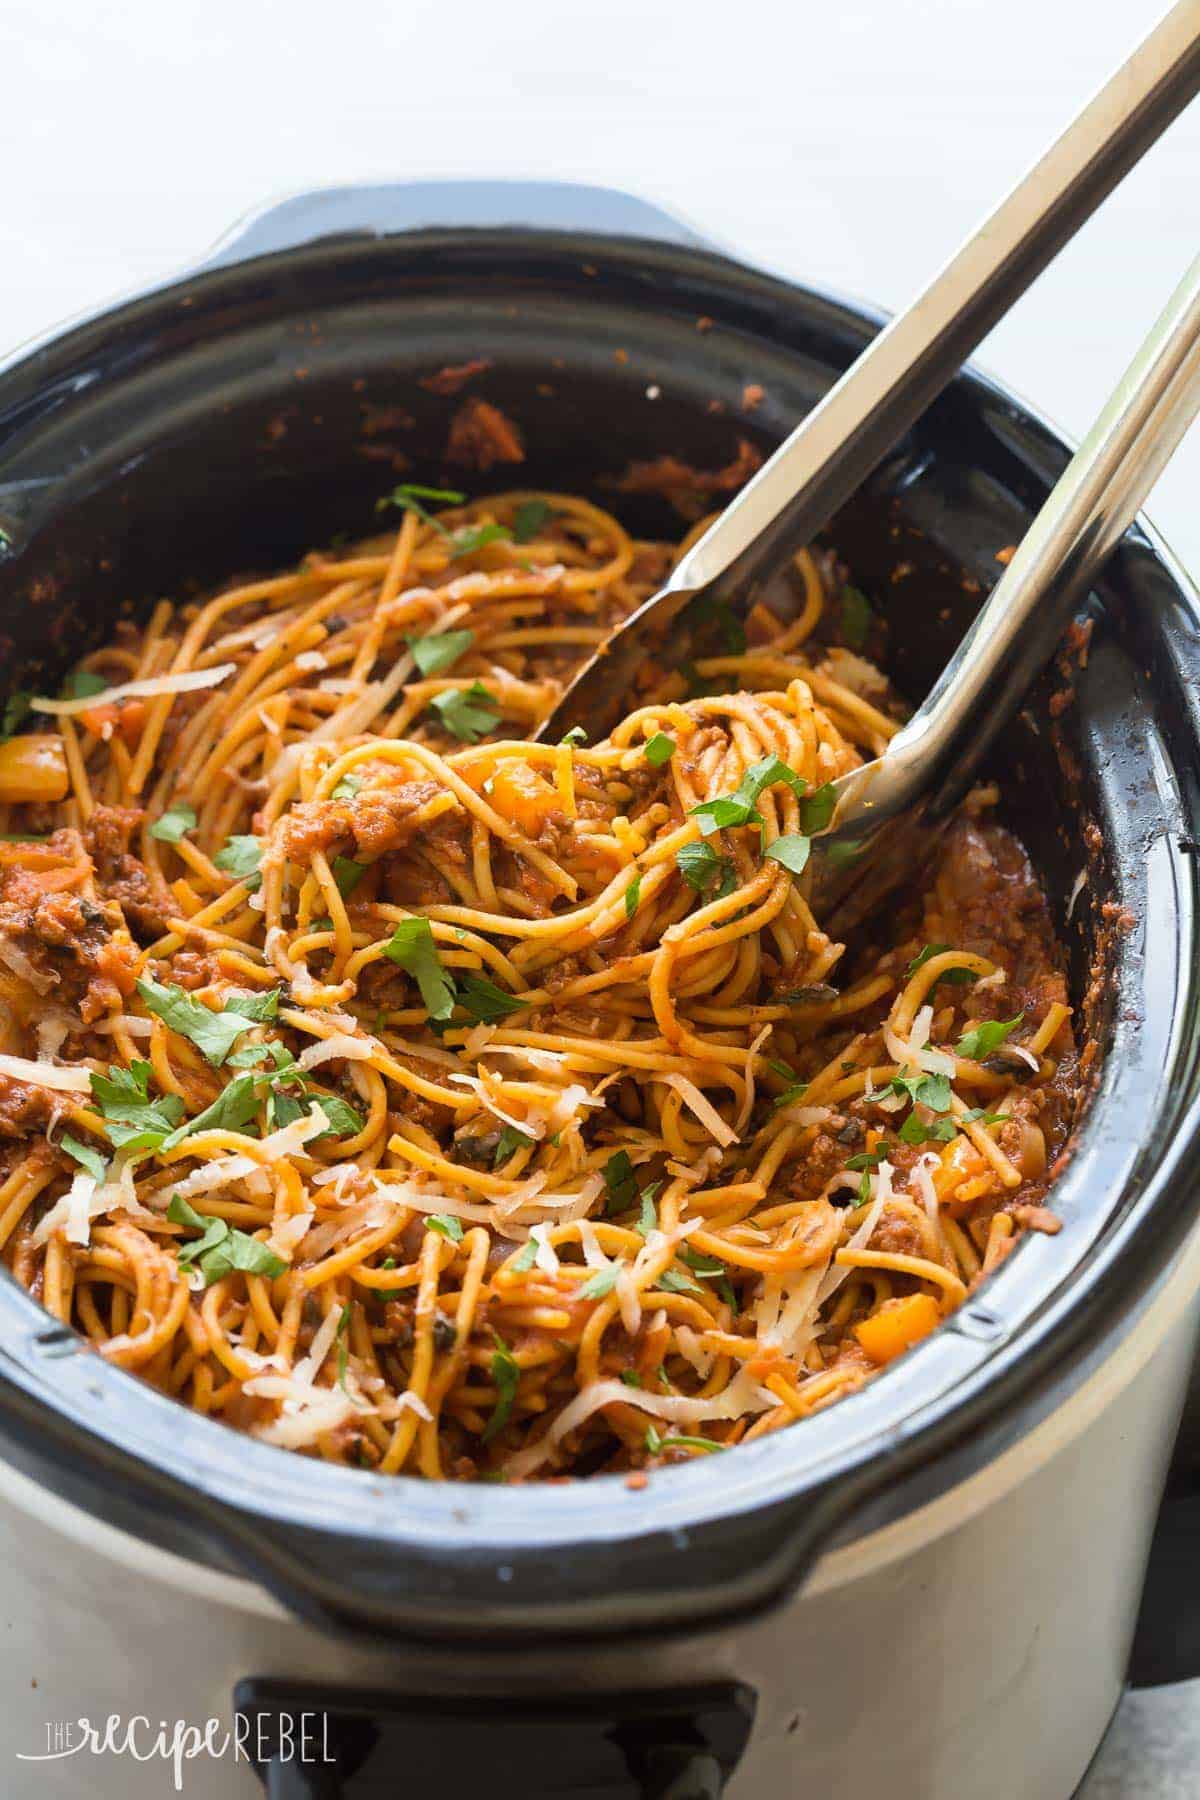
(928, 1590)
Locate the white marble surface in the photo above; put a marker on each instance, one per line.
(852, 144)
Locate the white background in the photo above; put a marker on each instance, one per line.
(849, 142)
(852, 142)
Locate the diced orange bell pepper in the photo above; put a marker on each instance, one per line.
(524, 796)
(33, 768)
(897, 1326)
(125, 717)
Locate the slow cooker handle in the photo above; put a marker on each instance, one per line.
(389, 209)
(312, 1743)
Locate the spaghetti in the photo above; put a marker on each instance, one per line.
(406, 1092)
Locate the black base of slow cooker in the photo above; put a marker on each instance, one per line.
(680, 1744)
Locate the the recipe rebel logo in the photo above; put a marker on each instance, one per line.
(301, 1737)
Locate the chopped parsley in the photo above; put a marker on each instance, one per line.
(412, 946)
(87, 1158)
(213, 1033)
(219, 1249)
(620, 1181)
(240, 857)
(446, 1225)
(599, 1284)
(506, 1374)
(857, 616)
(175, 823)
(678, 1281)
(133, 1120)
(347, 787)
(739, 808)
(659, 749)
(82, 683)
(484, 1000)
(347, 874)
(511, 1140)
(705, 871)
(656, 1442)
(476, 537)
(958, 977)
(467, 713)
(409, 496)
(983, 1039)
(259, 1007)
(576, 735)
(528, 520)
(16, 710)
(817, 808)
(791, 851)
(341, 1338)
(233, 1108)
(526, 1257)
(435, 653)
(632, 895)
(648, 1217)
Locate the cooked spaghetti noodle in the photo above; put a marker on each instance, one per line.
(392, 1087)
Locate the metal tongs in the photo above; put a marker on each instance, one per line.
(871, 843)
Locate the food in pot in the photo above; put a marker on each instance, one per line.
(399, 1090)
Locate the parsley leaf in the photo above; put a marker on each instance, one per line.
(475, 537)
(135, 1122)
(599, 1284)
(932, 1091)
(174, 823)
(484, 1000)
(632, 895)
(213, 1033)
(528, 520)
(738, 808)
(960, 977)
(347, 787)
(620, 1181)
(857, 616)
(16, 710)
(260, 1007)
(435, 653)
(526, 1257)
(648, 1218)
(576, 735)
(913, 1131)
(983, 1039)
(81, 683)
(219, 1250)
(87, 1158)
(659, 749)
(467, 713)
(409, 495)
(412, 946)
(240, 858)
(341, 1338)
(791, 851)
(506, 1374)
(446, 1225)
(347, 874)
(511, 1140)
(704, 870)
(233, 1108)
(817, 808)
(678, 1281)
(656, 1442)
(343, 1120)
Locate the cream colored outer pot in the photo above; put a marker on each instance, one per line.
(975, 1649)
